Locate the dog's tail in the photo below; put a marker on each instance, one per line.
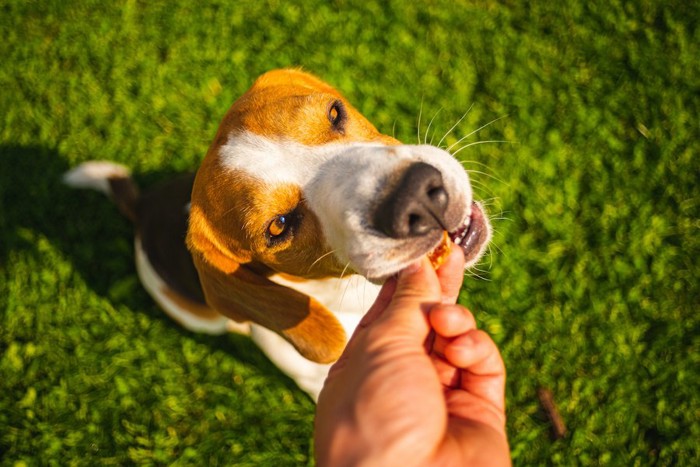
(112, 179)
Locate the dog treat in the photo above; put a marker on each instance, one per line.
(440, 252)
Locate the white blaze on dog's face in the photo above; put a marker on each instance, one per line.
(298, 182)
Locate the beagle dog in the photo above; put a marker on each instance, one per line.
(297, 214)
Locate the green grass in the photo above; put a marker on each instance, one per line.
(592, 290)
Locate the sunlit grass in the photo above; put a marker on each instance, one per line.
(591, 289)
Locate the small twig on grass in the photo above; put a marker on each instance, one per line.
(547, 402)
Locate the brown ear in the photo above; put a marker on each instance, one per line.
(243, 295)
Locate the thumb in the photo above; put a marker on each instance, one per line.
(417, 291)
(418, 281)
(401, 308)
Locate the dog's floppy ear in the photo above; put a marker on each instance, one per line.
(238, 291)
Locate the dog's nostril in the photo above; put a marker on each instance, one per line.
(438, 196)
(418, 224)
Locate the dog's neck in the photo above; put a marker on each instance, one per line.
(349, 295)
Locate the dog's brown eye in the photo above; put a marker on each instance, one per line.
(337, 115)
(283, 227)
(278, 226)
(333, 115)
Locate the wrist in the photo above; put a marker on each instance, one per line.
(349, 444)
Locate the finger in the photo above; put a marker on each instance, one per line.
(476, 352)
(484, 373)
(380, 303)
(383, 299)
(451, 275)
(399, 303)
(417, 285)
(451, 320)
(448, 375)
(417, 290)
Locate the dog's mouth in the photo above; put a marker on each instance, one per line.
(472, 235)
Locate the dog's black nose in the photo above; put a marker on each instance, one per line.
(416, 205)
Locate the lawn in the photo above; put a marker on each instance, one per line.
(587, 153)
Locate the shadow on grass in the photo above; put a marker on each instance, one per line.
(88, 229)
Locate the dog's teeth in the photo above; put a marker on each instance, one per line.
(460, 234)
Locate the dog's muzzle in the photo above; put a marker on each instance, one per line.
(418, 204)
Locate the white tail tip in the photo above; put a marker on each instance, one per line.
(95, 175)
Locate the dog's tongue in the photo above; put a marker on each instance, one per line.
(471, 234)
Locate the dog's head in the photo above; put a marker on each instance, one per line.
(298, 182)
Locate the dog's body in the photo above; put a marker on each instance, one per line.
(298, 210)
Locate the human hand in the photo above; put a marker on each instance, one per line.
(418, 384)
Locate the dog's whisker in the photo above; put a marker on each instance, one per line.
(493, 203)
(347, 286)
(420, 115)
(490, 201)
(481, 188)
(490, 255)
(319, 259)
(479, 266)
(342, 274)
(487, 260)
(472, 274)
(430, 124)
(495, 245)
(493, 177)
(486, 166)
(455, 125)
(482, 273)
(480, 142)
(364, 294)
(476, 143)
(475, 182)
(489, 204)
(449, 149)
(501, 212)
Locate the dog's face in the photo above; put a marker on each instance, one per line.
(250, 197)
(298, 182)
